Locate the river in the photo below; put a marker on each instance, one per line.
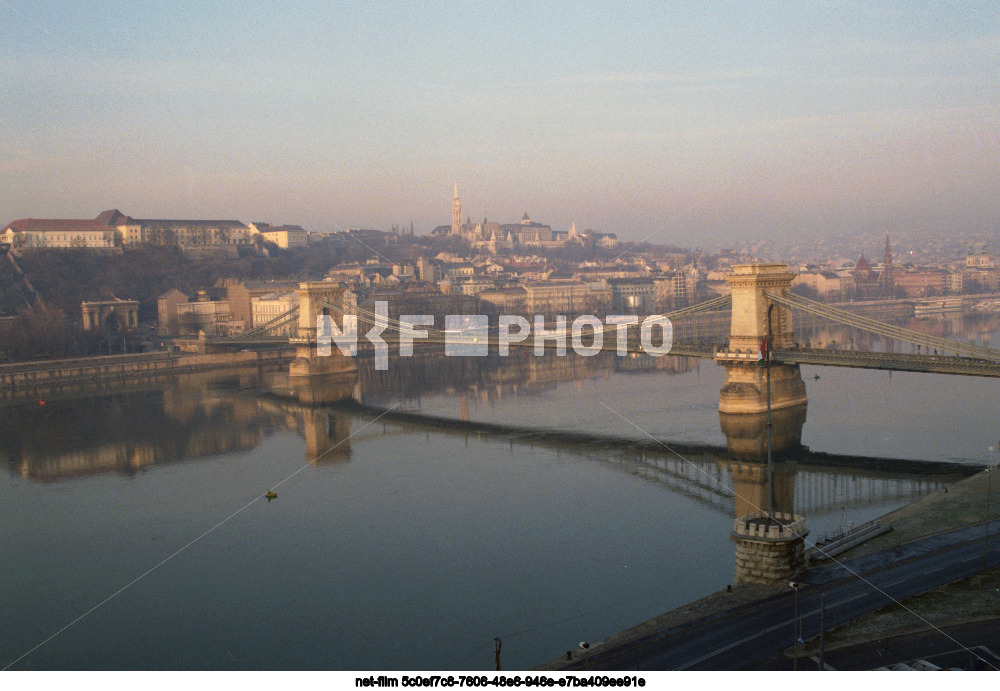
(571, 498)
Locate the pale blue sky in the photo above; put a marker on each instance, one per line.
(685, 121)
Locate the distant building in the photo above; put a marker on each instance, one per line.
(606, 240)
(471, 285)
(491, 235)
(112, 229)
(984, 279)
(115, 314)
(427, 271)
(528, 232)
(62, 233)
(240, 297)
(614, 270)
(869, 283)
(570, 298)
(632, 295)
(351, 274)
(266, 308)
(505, 300)
(827, 284)
(213, 317)
(921, 282)
(674, 290)
(194, 233)
(458, 270)
(285, 237)
(166, 311)
(978, 260)
(456, 213)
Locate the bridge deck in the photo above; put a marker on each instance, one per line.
(903, 362)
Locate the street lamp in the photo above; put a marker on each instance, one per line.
(585, 647)
(794, 585)
(986, 538)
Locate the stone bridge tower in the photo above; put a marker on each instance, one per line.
(312, 295)
(745, 390)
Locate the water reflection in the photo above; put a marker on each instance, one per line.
(195, 416)
(327, 434)
(746, 435)
(190, 417)
(493, 378)
(397, 515)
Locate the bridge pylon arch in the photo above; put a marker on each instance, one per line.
(312, 295)
(745, 390)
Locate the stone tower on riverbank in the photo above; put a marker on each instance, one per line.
(769, 550)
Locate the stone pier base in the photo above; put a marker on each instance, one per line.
(745, 390)
(330, 388)
(308, 364)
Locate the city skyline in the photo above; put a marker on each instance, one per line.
(685, 125)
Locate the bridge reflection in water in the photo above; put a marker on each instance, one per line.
(732, 481)
(203, 415)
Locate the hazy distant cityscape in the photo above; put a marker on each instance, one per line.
(518, 463)
(517, 267)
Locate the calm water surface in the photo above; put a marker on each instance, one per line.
(135, 535)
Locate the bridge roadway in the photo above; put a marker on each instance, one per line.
(904, 362)
(756, 635)
(901, 362)
(120, 370)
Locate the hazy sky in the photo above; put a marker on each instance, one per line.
(683, 121)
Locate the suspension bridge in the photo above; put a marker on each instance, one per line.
(760, 307)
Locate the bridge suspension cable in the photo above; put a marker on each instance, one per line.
(277, 322)
(970, 350)
(369, 317)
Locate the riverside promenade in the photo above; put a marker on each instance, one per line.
(30, 378)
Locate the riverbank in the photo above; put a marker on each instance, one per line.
(29, 379)
(971, 599)
(961, 504)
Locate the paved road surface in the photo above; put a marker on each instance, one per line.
(747, 637)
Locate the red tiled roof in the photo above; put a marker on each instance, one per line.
(56, 225)
(183, 223)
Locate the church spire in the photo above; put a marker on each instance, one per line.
(887, 277)
(456, 213)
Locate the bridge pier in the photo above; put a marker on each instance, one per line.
(322, 389)
(745, 390)
(308, 362)
(769, 546)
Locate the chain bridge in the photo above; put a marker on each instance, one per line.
(750, 332)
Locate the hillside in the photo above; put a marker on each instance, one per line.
(65, 278)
